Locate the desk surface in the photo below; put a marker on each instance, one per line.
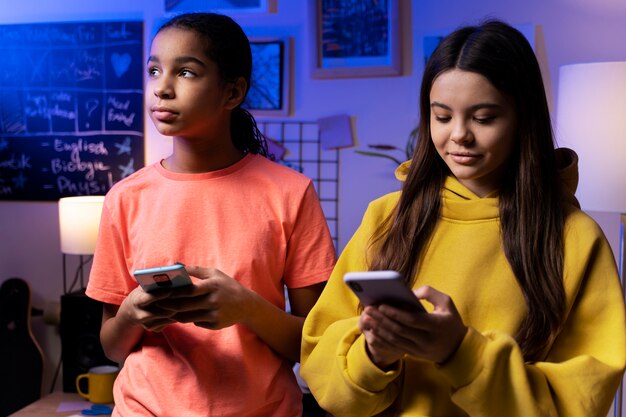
(48, 405)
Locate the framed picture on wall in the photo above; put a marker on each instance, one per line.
(270, 85)
(355, 38)
(221, 6)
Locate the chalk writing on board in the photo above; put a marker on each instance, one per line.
(71, 108)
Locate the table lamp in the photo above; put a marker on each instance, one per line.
(591, 120)
(79, 220)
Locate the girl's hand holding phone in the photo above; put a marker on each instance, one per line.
(215, 301)
(140, 308)
(390, 332)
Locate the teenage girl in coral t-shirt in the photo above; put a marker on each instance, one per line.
(225, 345)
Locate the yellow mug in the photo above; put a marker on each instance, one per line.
(99, 384)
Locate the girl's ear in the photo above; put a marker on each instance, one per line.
(237, 93)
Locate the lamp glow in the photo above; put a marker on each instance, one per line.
(591, 119)
(79, 220)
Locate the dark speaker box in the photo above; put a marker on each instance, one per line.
(80, 323)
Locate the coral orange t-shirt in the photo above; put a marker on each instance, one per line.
(257, 221)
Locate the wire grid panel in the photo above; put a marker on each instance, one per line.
(304, 153)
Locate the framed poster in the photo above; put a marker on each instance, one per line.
(270, 85)
(355, 38)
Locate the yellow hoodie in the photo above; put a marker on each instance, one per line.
(487, 376)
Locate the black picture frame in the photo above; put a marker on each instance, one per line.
(269, 93)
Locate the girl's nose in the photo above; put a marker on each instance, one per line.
(460, 134)
(162, 90)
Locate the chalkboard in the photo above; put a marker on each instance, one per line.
(71, 108)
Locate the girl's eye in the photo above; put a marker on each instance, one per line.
(153, 72)
(484, 120)
(187, 73)
(442, 119)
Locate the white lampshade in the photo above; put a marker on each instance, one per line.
(79, 219)
(591, 119)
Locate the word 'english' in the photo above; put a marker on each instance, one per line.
(81, 145)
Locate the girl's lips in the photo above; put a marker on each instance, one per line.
(163, 114)
(464, 158)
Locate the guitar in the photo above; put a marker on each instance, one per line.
(21, 357)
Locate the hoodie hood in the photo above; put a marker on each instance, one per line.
(403, 170)
(567, 163)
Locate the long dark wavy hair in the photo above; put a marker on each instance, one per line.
(228, 46)
(530, 198)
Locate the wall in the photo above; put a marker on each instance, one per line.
(384, 109)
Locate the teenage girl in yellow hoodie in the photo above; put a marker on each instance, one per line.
(526, 313)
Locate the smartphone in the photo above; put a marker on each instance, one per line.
(382, 287)
(171, 276)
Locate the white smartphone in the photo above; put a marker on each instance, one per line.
(171, 276)
(382, 287)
